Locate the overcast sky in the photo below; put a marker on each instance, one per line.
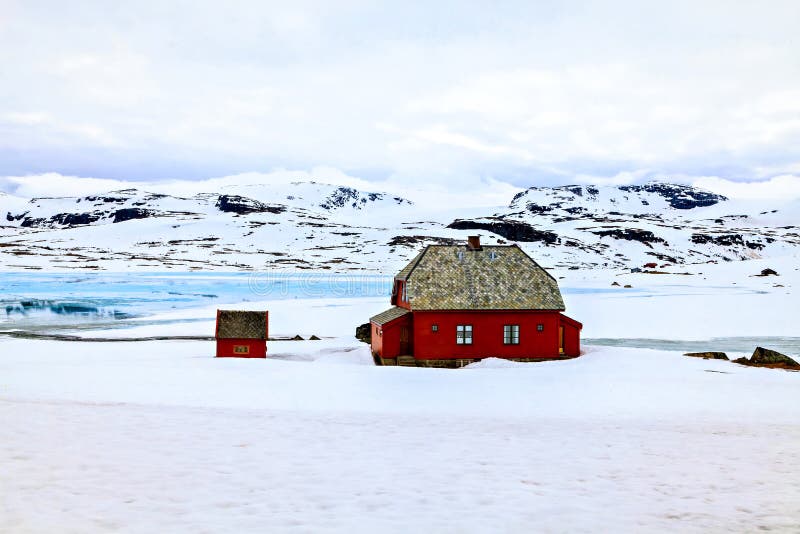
(452, 93)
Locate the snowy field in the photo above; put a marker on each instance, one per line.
(161, 437)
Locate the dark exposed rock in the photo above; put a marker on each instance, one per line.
(513, 230)
(12, 218)
(726, 240)
(576, 189)
(109, 200)
(768, 272)
(536, 208)
(413, 240)
(243, 205)
(343, 196)
(297, 338)
(762, 356)
(33, 222)
(74, 219)
(769, 358)
(663, 257)
(314, 338)
(707, 355)
(632, 234)
(340, 198)
(575, 210)
(681, 197)
(62, 219)
(364, 333)
(128, 214)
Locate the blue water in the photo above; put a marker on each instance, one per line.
(59, 299)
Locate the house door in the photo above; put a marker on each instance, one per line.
(561, 340)
(404, 345)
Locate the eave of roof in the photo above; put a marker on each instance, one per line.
(386, 317)
(406, 271)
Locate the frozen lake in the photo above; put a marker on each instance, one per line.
(43, 303)
(37, 300)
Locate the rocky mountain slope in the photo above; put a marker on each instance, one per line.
(314, 226)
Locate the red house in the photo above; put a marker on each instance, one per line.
(242, 334)
(454, 305)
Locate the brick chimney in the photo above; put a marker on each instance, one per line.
(474, 242)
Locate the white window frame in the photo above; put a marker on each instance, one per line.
(511, 334)
(464, 334)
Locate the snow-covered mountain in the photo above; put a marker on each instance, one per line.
(310, 225)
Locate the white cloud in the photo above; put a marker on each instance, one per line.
(409, 89)
(785, 187)
(56, 185)
(621, 178)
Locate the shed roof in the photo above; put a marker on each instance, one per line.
(446, 277)
(234, 324)
(389, 315)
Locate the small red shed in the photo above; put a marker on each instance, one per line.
(242, 334)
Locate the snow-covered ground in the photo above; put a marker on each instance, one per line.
(143, 437)
(160, 436)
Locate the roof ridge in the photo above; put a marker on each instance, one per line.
(536, 263)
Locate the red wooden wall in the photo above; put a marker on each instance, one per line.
(572, 336)
(397, 295)
(386, 338)
(487, 334)
(257, 348)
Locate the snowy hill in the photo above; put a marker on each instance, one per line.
(247, 224)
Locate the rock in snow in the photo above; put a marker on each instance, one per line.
(707, 355)
(364, 333)
(769, 358)
(244, 205)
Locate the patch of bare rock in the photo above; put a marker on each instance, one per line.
(769, 358)
(707, 355)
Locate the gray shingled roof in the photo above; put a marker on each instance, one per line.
(493, 278)
(389, 315)
(232, 324)
(408, 268)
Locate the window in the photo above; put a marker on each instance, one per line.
(434, 328)
(540, 327)
(511, 334)
(241, 349)
(492, 255)
(405, 294)
(464, 334)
